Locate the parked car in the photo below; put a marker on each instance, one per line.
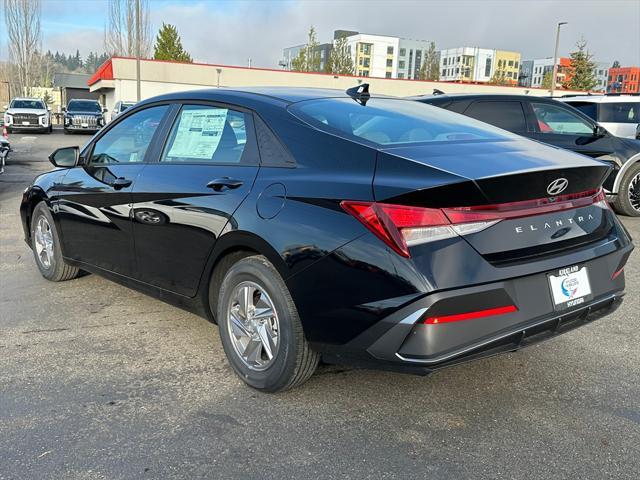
(618, 113)
(560, 125)
(120, 107)
(313, 223)
(5, 148)
(27, 114)
(83, 116)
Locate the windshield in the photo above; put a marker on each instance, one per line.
(34, 104)
(388, 122)
(84, 106)
(620, 112)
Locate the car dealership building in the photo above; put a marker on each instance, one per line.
(116, 80)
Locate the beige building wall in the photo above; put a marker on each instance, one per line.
(164, 77)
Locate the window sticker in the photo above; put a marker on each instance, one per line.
(199, 133)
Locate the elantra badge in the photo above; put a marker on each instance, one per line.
(558, 186)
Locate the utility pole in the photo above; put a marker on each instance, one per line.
(139, 97)
(555, 58)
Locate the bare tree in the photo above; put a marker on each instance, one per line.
(120, 32)
(22, 19)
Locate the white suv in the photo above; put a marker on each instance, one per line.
(619, 113)
(27, 114)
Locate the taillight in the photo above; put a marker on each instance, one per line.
(401, 227)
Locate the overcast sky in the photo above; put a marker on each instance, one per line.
(232, 32)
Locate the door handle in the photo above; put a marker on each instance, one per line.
(121, 182)
(225, 182)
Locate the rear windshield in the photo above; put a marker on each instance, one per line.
(34, 104)
(620, 112)
(84, 106)
(389, 122)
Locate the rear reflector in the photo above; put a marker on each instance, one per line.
(401, 227)
(491, 312)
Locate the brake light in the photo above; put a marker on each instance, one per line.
(490, 312)
(401, 227)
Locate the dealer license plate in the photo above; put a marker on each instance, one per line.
(570, 287)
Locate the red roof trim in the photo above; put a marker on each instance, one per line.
(104, 72)
(108, 73)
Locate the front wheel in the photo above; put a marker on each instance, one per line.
(46, 246)
(628, 200)
(260, 329)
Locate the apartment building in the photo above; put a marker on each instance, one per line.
(467, 64)
(507, 66)
(532, 73)
(601, 73)
(380, 56)
(624, 80)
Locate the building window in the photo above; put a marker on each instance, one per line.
(400, 75)
(401, 64)
(387, 75)
(487, 68)
(457, 59)
(403, 52)
(365, 73)
(389, 62)
(444, 72)
(515, 64)
(511, 63)
(444, 61)
(389, 50)
(366, 63)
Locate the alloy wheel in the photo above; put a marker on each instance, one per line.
(253, 326)
(44, 242)
(634, 192)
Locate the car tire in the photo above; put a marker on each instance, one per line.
(627, 201)
(46, 247)
(260, 329)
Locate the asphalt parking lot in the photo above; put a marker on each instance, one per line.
(98, 381)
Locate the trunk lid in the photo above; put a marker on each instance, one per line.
(488, 175)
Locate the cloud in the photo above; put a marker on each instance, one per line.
(232, 33)
(83, 39)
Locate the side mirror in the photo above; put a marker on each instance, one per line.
(64, 109)
(66, 157)
(599, 131)
(105, 110)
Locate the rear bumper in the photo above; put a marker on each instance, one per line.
(402, 341)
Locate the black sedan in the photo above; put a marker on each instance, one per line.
(560, 125)
(315, 224)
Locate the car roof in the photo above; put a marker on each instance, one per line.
(27, 98)
(478, 96)
(82, 100)
(602, 98)
(285, 95)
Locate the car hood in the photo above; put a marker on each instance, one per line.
(35, 111)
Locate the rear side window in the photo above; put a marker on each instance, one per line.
(590, 109)
(620, 112)
(507, 115)
(204, 134)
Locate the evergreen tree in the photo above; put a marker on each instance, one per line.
(169, 46)
(581, 68)
(340, 60)
(616, 64)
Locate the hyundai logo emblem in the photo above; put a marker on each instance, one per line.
(558, 186)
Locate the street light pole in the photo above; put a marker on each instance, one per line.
(138, 50)
(555, 58)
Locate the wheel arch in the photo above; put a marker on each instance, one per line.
(232, 246)
(625, 168)
(32, 197)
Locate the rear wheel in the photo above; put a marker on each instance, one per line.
(46, 247)
(260, 329)
(628, 200)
